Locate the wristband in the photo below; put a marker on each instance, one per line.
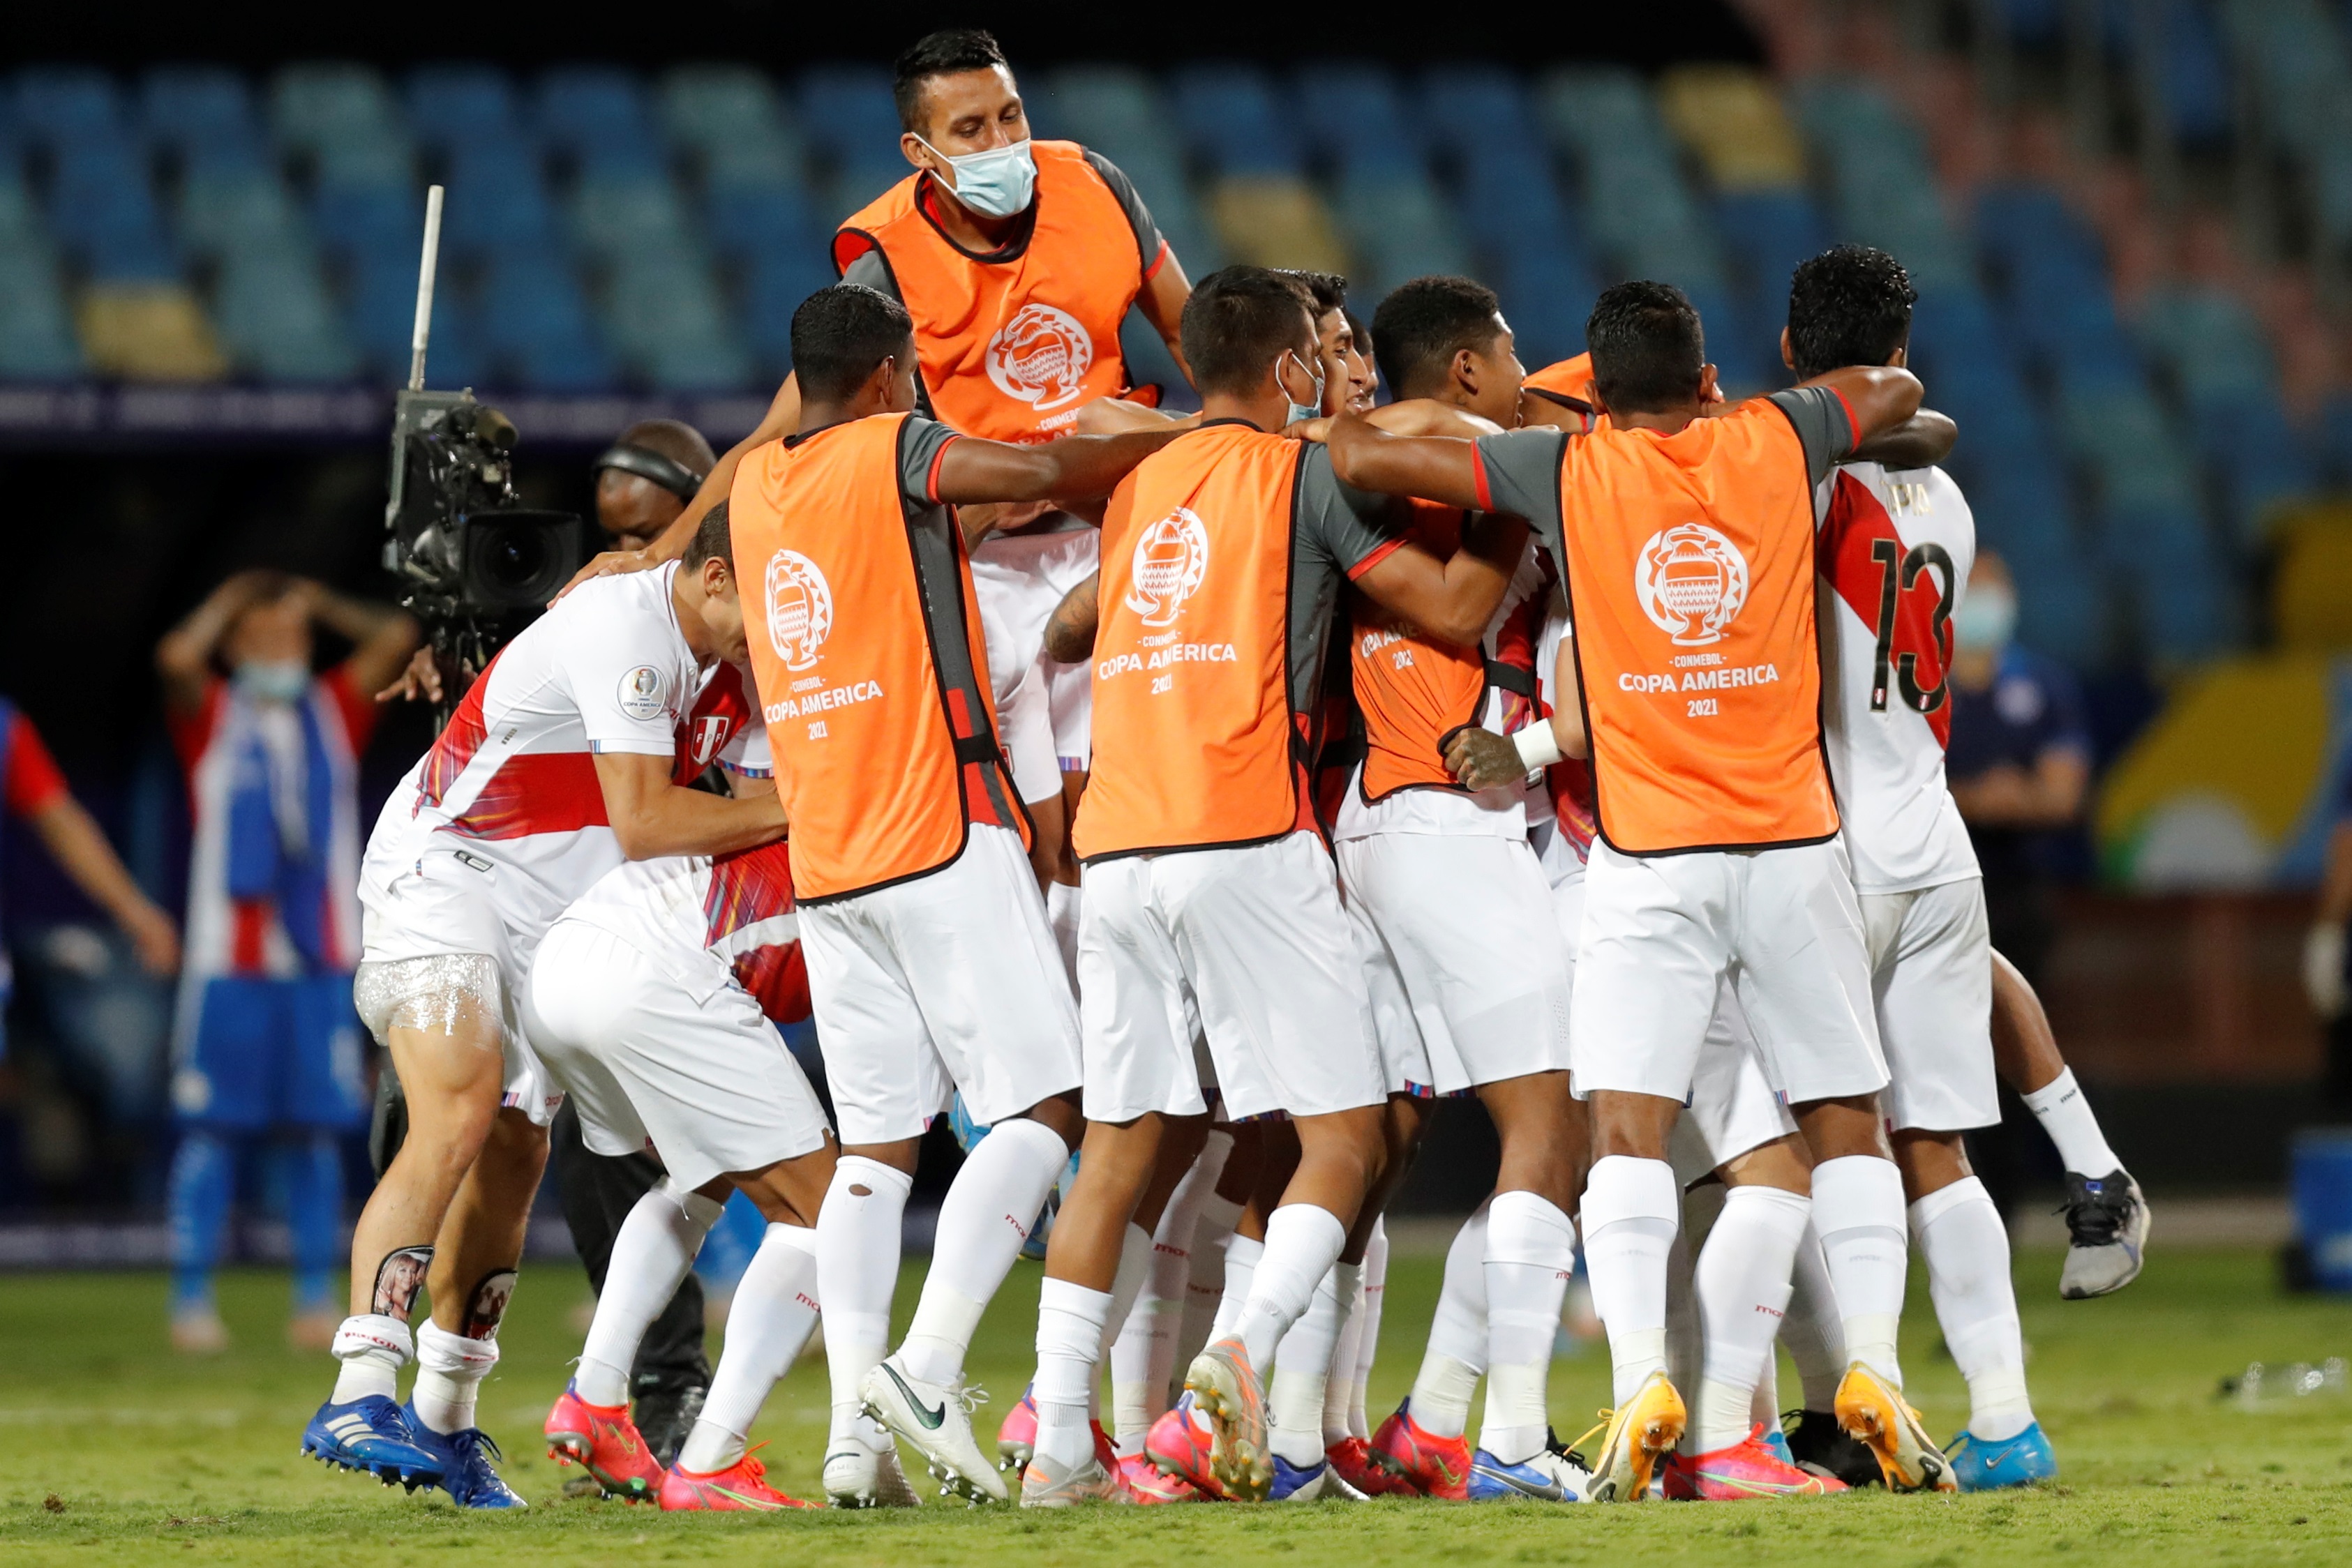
(1538, 747)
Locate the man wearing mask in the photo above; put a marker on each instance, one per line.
(265, 1041)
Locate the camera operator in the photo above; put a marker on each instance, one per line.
(644, 480)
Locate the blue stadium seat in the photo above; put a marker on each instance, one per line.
(465, 108)
(1357, 120)
(846, 113)
(729, 118)
(595, 113)
(37, 339)
(57, 105)
(380, 311)
(774, 284)
(372, 221)
(1230, 116)
(665, 319)
(1113, 108)
(497, 202)
(102, 208)
(199, 109)
(614, 216)
(536, 328)
(1546, 296)
(239, 211)
(277, 321)
(749, 222)
(1468, 107)
(310, 105)
(1397, 228)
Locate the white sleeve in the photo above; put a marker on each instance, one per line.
(748, 753)
(624, 672)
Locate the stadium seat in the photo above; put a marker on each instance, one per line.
(535, 326)
(1276, 220)
(198, 109)
(102, 210)
(147, 330)
(315, 106)
(728, 120)
(60, 105)
(240, 210)
(380, 296)
(847, 115)
(1397, 228)
(664, 319)
(1232, 121)
(773, 285)
(276, 320)
(36, 340)
(1356, 119)
(1732, 118)
(465, 108)
(614, 215)
(374, 221)
(596, 117)
(497, 202)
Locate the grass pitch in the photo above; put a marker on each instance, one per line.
(114, 1450)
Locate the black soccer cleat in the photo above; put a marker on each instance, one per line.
(2106, 1229)
(1819, 1445)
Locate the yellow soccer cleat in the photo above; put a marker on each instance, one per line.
(1875, 1415)
(1642, 1432)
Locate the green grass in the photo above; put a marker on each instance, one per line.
(111, 1450)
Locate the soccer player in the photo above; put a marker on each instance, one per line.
(1691, 597)
(651, 1003)
(265, 1043)
(571, 754)
(931, 968)
(1213, 906)
(1443, 885)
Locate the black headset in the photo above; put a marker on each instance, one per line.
(666, 472)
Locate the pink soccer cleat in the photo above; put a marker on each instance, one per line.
(1016, 1439)
(1145, 1484)
(1746, 1470)
(602, 1441)
(742, 1487)
(1425, 1463)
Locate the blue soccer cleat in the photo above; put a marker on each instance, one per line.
(2018, 1461)
(371, 1434)
(1548, 1477)
(464, 1460)
(1294, 1483)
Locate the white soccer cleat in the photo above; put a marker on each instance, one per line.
(937, 1419)
(863, 1471)
(2107, 1230)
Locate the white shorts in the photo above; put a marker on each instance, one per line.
(1662, 932)
(450, 900)
(1469, 921)
(950, 981)
(1732, 1108)
(1044, 709)
(1404, 1058)
(704, 1082)
(1252, 941)
(1931, 970)
(1072, 688)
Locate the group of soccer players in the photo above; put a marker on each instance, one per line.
(1202, 797)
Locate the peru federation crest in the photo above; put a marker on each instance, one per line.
(1170, 558)
(800, 608)
(1691, 580)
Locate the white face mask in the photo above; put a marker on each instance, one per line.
(996, 183)
(1985, 619)
(274, 680)
(1299, 411)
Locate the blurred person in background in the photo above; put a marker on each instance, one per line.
(33, 791)
(266, 1041)
(2019, 761)
(2326, 975)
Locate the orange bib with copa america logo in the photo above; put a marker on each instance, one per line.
(1198, 737)
(866, 647)
(1011, 345)
(1690, 580)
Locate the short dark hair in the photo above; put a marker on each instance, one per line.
(1327, 290)
(943, 52)
(1423, 323)
(1237, 321)
(840, 333)
(1850, 305)
(713, 537)
(673, 439)
(1647, 347)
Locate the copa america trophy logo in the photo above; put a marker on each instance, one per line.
(1041, 357)
(1691, 580)
(1170, 560)
(800, 608)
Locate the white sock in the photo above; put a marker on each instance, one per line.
(1302, 1242)
(1630, 1209)
(1061, 918)
(372, 1349)
(986, 1217)
(449, 1372)
(1144, 1354)
(1135, 1255)
(1457, 1356)
(1204, 1285)
(1764, 1403)
(1242, 1255)
(1685, 1343)
(1813, 1331)
(1741, 1285)
(856, 1270)
(1530, 1255)
(1071, 1321)
(651, 1257)
(1368, 1335)
(1967, 1248)
(1302, 1370)
(1858, 1211)
(774, 1310)
(1340, 1386)
(2066, 1116)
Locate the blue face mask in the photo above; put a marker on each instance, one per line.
(1299, 411)
(997, 183)
(274, 680)
(1985, 619)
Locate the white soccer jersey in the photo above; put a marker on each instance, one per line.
(705, 922)
(511, 780)
(1895, 549)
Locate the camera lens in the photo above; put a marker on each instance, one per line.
(516, 557)
(520, 559)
